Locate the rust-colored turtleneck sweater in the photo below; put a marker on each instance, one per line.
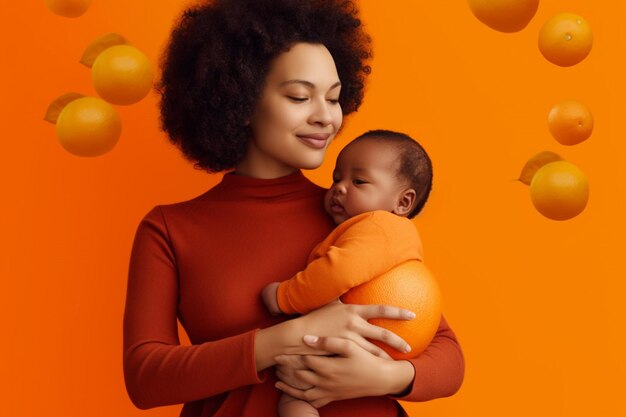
(205, 261)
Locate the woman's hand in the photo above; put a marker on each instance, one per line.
(350, 321)
(352, 373)
(287, 370)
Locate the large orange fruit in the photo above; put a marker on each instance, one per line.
(559, 190)
(410, 285)
(565, 39)
(504, 15)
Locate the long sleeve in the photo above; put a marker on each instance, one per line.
(357, 251)
(157, 369)
(439, 370)
(204, 262)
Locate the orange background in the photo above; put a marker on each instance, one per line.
(538, 305)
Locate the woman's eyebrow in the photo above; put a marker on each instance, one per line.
(308, 84)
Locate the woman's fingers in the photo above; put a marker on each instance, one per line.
(308, 377)
(372, 348)
(289, 378)
(314, 396)
(336, 345)
(385, 312)
(350, 321)
(294, 361)
(381, 334)
(288, 369)
(386, 336)
(306, 395)
(376, 351)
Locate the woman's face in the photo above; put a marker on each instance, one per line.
(297, 116)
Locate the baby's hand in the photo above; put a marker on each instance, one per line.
(270, 298)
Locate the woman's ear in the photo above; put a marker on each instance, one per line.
(405, 203)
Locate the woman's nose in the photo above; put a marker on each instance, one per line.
(321, 113)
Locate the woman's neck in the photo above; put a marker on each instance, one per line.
(261, 169)
(263, 174)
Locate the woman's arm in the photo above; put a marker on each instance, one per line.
(439, 370)
(353, 372)
(159, 371)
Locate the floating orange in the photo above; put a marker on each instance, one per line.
(68, 8)
(122, 75)
(504, 15)
(570, 122)
(559, 190)
(565, 39)
(88, 126)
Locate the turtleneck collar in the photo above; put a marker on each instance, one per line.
(235, 186)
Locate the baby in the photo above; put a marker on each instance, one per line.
(381, 180)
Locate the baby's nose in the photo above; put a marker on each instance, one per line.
(339, 188)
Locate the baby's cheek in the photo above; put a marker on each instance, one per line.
(327, 198)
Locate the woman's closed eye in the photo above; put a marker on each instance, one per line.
(297, 99)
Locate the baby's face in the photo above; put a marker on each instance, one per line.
(365, 179)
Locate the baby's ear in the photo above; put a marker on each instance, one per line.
(405, 203)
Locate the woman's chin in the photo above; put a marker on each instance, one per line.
(312, 163)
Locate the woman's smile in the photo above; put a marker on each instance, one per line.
(315, 140)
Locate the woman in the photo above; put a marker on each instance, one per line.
(259, 88)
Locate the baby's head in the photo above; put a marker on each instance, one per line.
(380, 170)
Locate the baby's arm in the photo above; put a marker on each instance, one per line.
(270, 298)
(355, 254)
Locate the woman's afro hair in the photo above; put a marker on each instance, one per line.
(219, 54)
